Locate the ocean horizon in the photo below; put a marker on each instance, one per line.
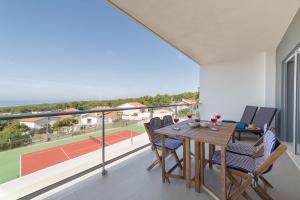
(14, 103)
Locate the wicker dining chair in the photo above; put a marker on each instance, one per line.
(250, 169)
(171, 145)
(167, 120)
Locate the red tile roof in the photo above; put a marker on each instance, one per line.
(71, 110)
(31, 119)
(136, 104)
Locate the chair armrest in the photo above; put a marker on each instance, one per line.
(259, 142)
(259, 153)
(229, 121)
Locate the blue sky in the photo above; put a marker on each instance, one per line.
(62, 50)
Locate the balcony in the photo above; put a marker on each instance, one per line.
(129, 179)
(249, 55)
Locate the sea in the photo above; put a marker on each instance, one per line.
(22, 103)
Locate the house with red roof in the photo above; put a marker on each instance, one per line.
(38, 122)
(132, 112)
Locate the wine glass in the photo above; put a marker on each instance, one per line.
(218, 116)
(189, 115)
(213, 120)
(176, 120)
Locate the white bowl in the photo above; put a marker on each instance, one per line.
(204, 124)
(193, 124)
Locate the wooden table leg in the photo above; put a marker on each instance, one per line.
(212, 149)
(233, 137)
(188, 162)
(197, 167)
(163, 156)
(202, 162)
(223, 174)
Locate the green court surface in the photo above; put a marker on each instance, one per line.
(10, 160)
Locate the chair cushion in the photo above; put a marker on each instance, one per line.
(235, 161)
(171, 143)
(242, 149)
(271, 142)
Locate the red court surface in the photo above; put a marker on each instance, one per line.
(38, 160)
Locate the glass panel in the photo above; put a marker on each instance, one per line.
(298, 110)
(290, 100)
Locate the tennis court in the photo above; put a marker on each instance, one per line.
(32, 162)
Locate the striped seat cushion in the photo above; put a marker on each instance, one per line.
(171, 143)
(235, 161)
(242, 149)
(246, 149)
(271, 142)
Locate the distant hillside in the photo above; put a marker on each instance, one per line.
(85, 105)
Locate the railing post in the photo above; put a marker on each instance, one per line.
(151, 113)
(176, 111)
(47, 129)
(104, 172)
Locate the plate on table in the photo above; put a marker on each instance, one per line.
(214, 128)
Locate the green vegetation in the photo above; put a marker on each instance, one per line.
(85, 105)
(64, 123)
(13, 134)
(184, 112)
(10, 160)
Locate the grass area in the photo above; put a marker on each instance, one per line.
(10, 160)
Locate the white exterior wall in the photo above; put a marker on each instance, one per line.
(270, 63)
(228, 87)
(95, 120)
(40, 123)
(131, 112)
(84, 120)
(31, 125)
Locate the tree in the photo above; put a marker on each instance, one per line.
(13, 130)
(64, 123)
(84, 105)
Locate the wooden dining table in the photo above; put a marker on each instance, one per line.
(200, 136)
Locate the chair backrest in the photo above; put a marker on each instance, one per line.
(265, 128)
(167, 120)
(154, 124)
(264, 116)
(248, 114)
(271, 143)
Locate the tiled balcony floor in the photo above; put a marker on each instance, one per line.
(129, 179)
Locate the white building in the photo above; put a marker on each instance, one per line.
(39, 122)
(129, 113)
(94, 119)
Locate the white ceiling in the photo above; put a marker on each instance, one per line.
(210, 31)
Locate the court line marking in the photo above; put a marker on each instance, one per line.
(64, 153)
(118, 136)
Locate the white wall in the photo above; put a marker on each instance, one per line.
(270, 80)
(228, 87)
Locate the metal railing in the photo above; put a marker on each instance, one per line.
(104, 161)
